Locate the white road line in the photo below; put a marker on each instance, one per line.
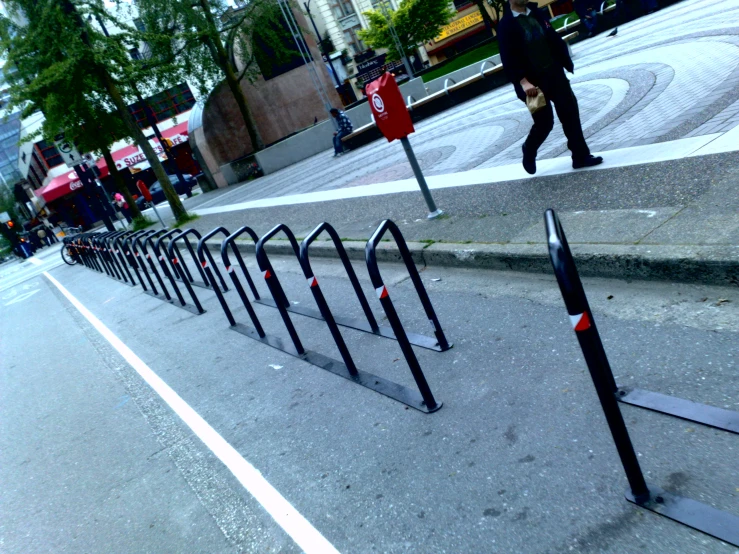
(300, 530)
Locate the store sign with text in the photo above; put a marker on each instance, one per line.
(459, 25)
(139, 157)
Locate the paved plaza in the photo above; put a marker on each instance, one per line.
(663, 77)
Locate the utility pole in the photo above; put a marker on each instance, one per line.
(396, 40)
(320, 44)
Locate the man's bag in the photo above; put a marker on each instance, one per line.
(535, 103)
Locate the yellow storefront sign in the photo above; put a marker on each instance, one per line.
(459, 25)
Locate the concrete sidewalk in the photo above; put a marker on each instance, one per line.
(676, 220)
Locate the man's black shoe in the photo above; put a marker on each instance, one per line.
(529, 161)
(587, 162)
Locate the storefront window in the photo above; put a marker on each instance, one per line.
(354, 45)
(49, 154)
(341, 8)
(165, 105)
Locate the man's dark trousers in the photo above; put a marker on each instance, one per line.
(557, 91)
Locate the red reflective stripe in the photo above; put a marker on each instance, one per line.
(267, 274)
(204, 264)
(312, 281)
(580, 322)
(229, 269)
(381, 292)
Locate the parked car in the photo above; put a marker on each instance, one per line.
(157, 194)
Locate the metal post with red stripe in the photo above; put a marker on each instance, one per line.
(230, 241)
(392, 315)
(705, 518)
(173, 253)
(273, 283)
(592, 349)
(148, 242)
(208, 264)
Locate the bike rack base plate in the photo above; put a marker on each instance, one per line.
(386, 332)
(701, 517)
(726, 420)
(392, 390)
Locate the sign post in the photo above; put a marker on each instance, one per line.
(394, 122)
(144, 190)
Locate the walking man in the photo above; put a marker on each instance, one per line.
(345, 128)
(534, 58)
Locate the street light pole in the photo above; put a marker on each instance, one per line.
(396, 40)
(320, 44)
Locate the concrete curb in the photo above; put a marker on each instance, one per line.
(706, 265)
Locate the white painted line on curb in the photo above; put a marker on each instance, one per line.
(307, 537)
(623, 157)
(35, 261)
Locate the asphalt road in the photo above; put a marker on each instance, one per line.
(518, 459)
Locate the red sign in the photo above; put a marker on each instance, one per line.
(144, 190)
(388, 107)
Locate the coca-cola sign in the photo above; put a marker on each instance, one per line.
(74, 185)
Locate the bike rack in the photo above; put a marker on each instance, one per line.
(131, 256)
(370, 326)
(482, 67)
(136, 251)
(179, 264)
(168, 274)
(120, 252)
(229, 241)
(704, 518)
(113, 253)
(378, 384)
(392, 314)
(181, 271)
(95, 255)
(209, 265)
(103, 251)
(149, 239)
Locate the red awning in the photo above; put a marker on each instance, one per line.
(127, 156)
(130, 156)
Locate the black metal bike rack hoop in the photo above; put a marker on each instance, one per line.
(103, 252)
(147, 258)
(112, 253)
(704, 518)
(120, 252)
(424, 402)
(370, 326)
(161, 257)
(392, 314)
(130, 254)
(179, 264)
(393, 390)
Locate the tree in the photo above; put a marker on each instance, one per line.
(212, 41)
(415, 22)
(499, 7)
(76, 75)
(485, 15)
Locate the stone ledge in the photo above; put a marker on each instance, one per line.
(708, 265)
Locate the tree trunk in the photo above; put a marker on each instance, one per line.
(485, 15)
(220, 57)
(178, 210)
(120, 183)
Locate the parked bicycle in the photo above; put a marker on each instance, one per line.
(69, 251)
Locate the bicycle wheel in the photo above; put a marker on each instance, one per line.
(68, 258)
